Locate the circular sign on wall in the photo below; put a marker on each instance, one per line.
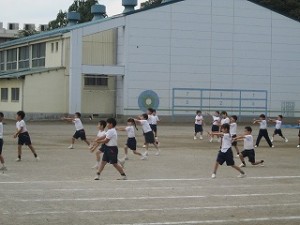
(148, 99)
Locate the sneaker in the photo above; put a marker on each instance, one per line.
(3, 168)
(195, 138)
(286, 140)
(145, 154)
(201, 137)
(255, 146)
(144, 157)
(298, 146)
(37, 158)
(157, 153)
(122, 178)
(262, 163)
(242, 165)
(272, 146)
(213, 176)
(122, 163)
(237, 155)
(241, 175)
(144, 146)
(71, 147)
(18, 160)
(97, 177)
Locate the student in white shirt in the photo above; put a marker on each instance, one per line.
(225, 154)
(148, 133)
(278, 123)
(225, 118)
(248, 148)
(198, 125)
(298, 146)
(263, 132)
(215, 125)
(3, 168)
(155, 121)
(131, 140)
(110, 154)
(80, 132)
(233, 131)
(23, 136)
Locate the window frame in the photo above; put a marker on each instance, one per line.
(7, 94)
(24, 63)
(15, 94)
(11, 59)
(95, 80)
(38, 55)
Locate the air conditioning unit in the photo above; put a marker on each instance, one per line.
(43, 27)
(13, 26)
(29, 26)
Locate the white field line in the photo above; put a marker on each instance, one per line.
(151, 197)
(156, 209)
(148, 180)
(239, 221)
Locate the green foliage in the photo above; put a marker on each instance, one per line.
(150, 3)
(81, 6)
(25, 33)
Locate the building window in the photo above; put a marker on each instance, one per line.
(4, 94)
(38, 55)
(2, 61)
(52, 47)
(15, 94)
(95, 80)
(56, 46)
(11, 62)
(24, 57)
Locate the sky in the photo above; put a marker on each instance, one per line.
(42, 11)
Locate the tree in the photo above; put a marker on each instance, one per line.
(81, 6)
(150, 3)
(25, 33)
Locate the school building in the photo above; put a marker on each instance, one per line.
(178, 57)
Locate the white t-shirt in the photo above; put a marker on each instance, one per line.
(21, 126)
(233, 128)
(101, 133)
(263, 124)
(248, 142)
(1, 130)
(130, 131)
(216, 120)
(112, 135)
(199, 120)
(226, 142)
(145, 126)
(155, 119)
(78, 124)
(225, 120)
(278, 124)
(150, 119)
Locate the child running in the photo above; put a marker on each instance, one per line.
(80, 132)
(263, 132)
(23, 136)
(198, 125)
(101, 134)
(278, 123)
(233, 131)
(248, 148)
(3, 168)
(131, 141)
(110, 154)
(225, 154)
(215, 125)
(225, 118)
(298, 146)
(148, 133)
(155, 121)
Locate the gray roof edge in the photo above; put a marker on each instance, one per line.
(21, 73)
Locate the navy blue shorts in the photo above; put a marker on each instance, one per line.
(110, 154)
(198, 128)
(225, 157)
(153, 127)
(80, 134)
(278, 131)
(131, 143)
(149, 138)
(24, 138)
(234, 143)
(1, 146)
(102, 148)
(215, 128)
(250, 154)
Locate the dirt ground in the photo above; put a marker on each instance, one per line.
(173, 188)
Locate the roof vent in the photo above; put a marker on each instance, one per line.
(73, 18)
(165, 1)
(13, 26)
(99, 11)
(43, 27)
(129, 5)
(29, 26)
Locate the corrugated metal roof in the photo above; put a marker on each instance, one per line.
(14, 74)
(63, 30)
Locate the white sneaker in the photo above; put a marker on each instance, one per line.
(255, 146)
(144, 146)
(18, 160)
(3, 168)
(157, 153)
(144, 157)
(145, 154)
(298, 146)
(97, 177)
(37, 158)
(213, 176)
(272, 146)
(286, 140)
(242, 165)
(201, 137)
(195, 138)
(241, 175)
(122, 178)
(71, 147)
